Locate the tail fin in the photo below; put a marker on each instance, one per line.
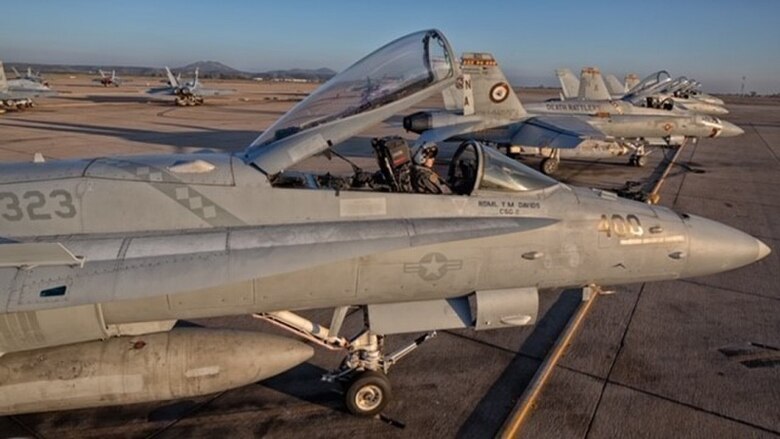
(16, 72)
(569, 83)
(171, 79)
(490, 89)
(592, 85)
(3, 80)
(631, 81)
(614, 86)
(113, 75)
(102, 73)
(195, 81)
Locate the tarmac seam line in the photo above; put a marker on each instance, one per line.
(669, 399)
(766, 144)
(730, 290)
(614, 360)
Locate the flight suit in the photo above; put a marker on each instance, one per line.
(426, 181)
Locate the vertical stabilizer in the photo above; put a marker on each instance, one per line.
(491, 92)
(592, 86)
(632, 79)
(3, 80)
(570, 85)
(171, 79)
(614, 86)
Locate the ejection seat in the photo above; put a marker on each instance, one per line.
(395, 162)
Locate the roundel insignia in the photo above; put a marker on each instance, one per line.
(667, 127)
(499, 92)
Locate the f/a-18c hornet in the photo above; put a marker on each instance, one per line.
(17, 94)
(188, 93)
(30, 76)
(495, 115)
(101, 257)
(108, 80)
(656, 91)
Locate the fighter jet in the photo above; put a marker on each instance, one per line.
(101, 257)
(30, 76)
(189, 93)
(17, 94)
(106, 80)
(656, 91)
(603, 129)
(659, 90)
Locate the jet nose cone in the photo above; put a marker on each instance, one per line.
(717, 109)
(763, 250)
(731, 130)
(716, 247)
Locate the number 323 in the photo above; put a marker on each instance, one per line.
(34, 203)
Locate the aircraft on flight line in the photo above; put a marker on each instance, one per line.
(188, 93)
(656, 91)
(106, 80)
(491, 112)
(17, 94)
(101, 257)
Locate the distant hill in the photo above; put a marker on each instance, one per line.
(321, 74)
(207, 69)
(213, 69)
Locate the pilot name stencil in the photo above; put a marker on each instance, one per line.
(433, 266)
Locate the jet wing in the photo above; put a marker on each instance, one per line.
(125, 268)
(555, 131)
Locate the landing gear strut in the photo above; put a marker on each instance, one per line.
(639, 157)
(363, 372)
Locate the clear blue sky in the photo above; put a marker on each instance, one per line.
(715, 41)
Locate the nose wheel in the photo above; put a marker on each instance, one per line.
(367, 393)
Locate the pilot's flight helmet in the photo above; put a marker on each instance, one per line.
(425, 152)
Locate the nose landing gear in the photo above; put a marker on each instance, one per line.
(363, 372)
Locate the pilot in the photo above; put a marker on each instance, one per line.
(424, 179)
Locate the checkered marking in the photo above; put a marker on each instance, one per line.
(195, 203)
(147, 173)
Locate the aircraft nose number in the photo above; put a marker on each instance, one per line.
(36, 205)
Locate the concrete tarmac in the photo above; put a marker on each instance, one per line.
(691, 358)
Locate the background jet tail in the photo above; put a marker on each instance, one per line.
(592, 85)
(632, 79)
(614, 86)
(3, 80)
(171, 79)
(16, 72)
(570, 85)
(490, 91)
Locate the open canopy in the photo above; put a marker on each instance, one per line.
(388, 80)
(652, 83)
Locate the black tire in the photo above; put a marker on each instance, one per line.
(549, 166)
(640, 161)
(368, 393)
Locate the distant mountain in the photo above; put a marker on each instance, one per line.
(212, 68)
(207, 69)
(321, 74)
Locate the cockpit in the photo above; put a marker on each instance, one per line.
(652, 83)
(473, 168)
